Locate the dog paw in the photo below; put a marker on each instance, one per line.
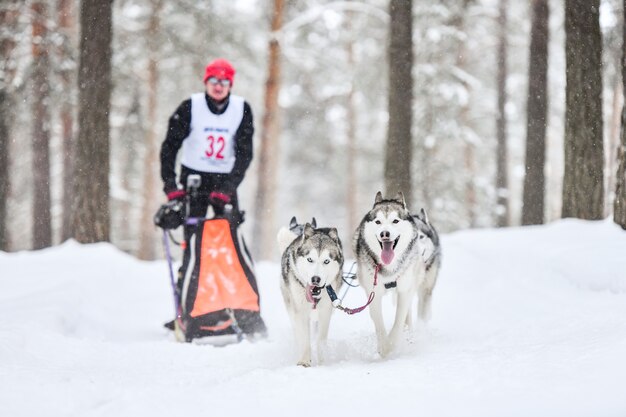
(385, 349)
(305, 364)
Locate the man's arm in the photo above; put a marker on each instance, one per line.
(177, 131)
(243, 149)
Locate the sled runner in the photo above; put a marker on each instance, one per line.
(216, 292)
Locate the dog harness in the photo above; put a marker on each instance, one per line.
(337, 302)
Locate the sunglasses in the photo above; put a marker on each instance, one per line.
(216, 81)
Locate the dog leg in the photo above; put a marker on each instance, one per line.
(376, 313)
(402, 310)
(425, 293)
(303, 337)
(324, 314)
(409, 316)
(423, 309)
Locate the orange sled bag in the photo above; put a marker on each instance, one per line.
(219, 293)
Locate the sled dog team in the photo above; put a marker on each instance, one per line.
(395, 251)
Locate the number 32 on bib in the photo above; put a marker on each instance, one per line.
(216, 147)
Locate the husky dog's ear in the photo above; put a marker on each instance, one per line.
(313, 223)
(293, 223)
(332, 232)
(424, 217)
(308, 231)
(400, 198)
(379, 197)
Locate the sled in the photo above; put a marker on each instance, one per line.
(219, 294)
(216, 293)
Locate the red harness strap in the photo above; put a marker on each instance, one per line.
(369, 299)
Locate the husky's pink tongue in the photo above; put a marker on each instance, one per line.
(387, 253)
(309, 294)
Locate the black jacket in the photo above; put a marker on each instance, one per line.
(178, 129)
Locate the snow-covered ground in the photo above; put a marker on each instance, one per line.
(526, 321)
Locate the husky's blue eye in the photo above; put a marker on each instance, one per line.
(309, 260)
(326, 261)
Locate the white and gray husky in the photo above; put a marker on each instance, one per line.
(403, 253)
(311, 262)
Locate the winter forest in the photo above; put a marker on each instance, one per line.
(488, 113)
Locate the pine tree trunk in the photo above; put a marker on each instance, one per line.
(9, 13)
(351, 157)
(502, 177)
(66, 26)
(90, 208)
(619, 205)
(127, 225)
(469, 152)
(613, 139)
(4, 167)
(264, 228)
(583, 189)
(150, 186)
(398, 152)
(536, 112)
(42, 221)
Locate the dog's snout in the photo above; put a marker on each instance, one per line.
(316, 280)
(385, 234)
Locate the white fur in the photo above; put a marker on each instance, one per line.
(284, 238)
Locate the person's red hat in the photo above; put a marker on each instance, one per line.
(221, 69)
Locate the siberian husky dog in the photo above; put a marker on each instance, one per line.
(309, 263)
(392, 246)
(430, 252)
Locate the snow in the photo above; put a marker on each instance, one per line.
(526, 321)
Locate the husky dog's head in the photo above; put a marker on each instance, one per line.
(298, 228)
(427, 237)
(388, 228)
(318, 259)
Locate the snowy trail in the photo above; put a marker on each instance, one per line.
(525, 321)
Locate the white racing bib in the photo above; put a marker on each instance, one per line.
(210, 146)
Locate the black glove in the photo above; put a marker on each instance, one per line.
(170, 215)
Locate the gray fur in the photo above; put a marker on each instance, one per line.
(424, 225)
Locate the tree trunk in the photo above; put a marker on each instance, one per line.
(536, 112)
(469, 152)
(9, 13)
(268, 156)
(619, 205)
(150, 186)
(398, 152)
(66, 26)
(583, 189)
(90, 209)
(613, 139)
(351, 157)
(132, 174)
(502, 178)
(42, 221)
(5, 117)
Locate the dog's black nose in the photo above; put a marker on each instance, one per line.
(316, 280)
(385, 234)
